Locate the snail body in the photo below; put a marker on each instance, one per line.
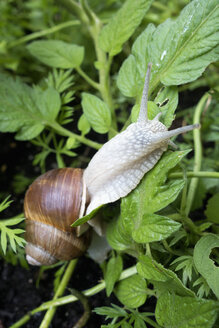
(113, 172)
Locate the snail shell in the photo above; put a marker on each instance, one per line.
(52, 203)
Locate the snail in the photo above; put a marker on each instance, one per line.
(57, 198)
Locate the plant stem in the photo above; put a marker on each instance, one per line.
(64, 282)
(197, 174)
(70, 298)
(74, 8)
(198, 151)
(94, 25)
(104, 62)
(64, 132)
(39, 34)
(94, 84)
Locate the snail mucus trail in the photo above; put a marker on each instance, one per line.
(59, 197)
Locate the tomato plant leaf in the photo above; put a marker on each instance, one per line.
(26, 110)
(174, 311)
(113, 271)
(131, 291)
(179, 50)
(96, 112)
(204, 264)
(56, 53)
(122, 25)
(154, 228)
(162, 279)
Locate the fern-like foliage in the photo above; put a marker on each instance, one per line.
(62, 80)
(8, 235)
(186, 264)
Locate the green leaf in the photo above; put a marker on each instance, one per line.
(174, 311)
(212, 211)
(111, 312)
(139, 323)
(204, 289)
(113, 271)
(3, 241)
(133, 70)
(159, 192)
(195, 46)
(117, 236)
(86, 218)
(204, 264)
(132, 291)
(128, 79)
(56, 53)
(26, 110)
(122, 25)
(96, 112)
(154, 228)
(167, 101)
(186, 264)
(162, 279)
(83, 125)
(151, 195)
(11, 234)
(153, 110)
(5, 203)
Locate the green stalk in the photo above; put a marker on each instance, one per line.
(64, 282)
(198, 152)
(75, 8)
(70, 298)
(94, 25)
(64, 132)
(40, 34)
(197, 174)
(87, 78)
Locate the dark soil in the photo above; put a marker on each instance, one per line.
(19, 295)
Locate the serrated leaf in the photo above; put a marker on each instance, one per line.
(174, 311)
(162, 279)
(111, 312)
(204, 264)
(56, 53)
(154, 228)
(122, 25)
(167, 101)
(212, 211)
(158, 193)
(179, 50)
(132, 291)
(117, 236)
(133, 70)
(96, 112)
(204, 289)
(26, 110)
(113, 271)
(151, 195)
